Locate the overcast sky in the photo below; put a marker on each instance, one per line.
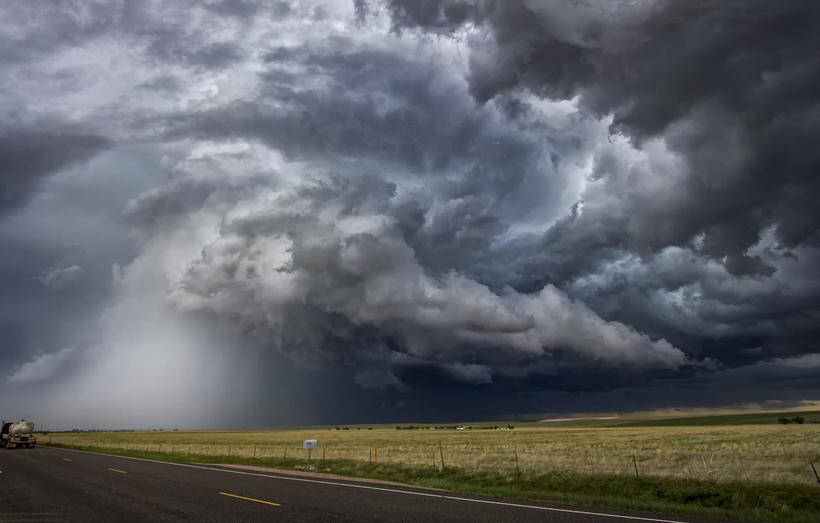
(250, 213)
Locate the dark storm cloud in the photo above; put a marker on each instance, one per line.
(33, 151)
(477, 170)
(239, 8)
(732, 87)
(433, 15)
(731, 90)
(323, 273)
(340, 118)
(403, 118)
(452, 201)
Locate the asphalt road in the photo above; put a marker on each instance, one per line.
(50, 484)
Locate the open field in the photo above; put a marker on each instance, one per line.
(750, 453)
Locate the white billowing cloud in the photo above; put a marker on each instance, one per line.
(59, 278)
(305, 253)
(43, 368)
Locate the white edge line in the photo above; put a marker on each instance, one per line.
(381, 489)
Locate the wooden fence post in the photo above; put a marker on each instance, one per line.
(635, 463)
(815, 472)
(441, 453)
(517, 467)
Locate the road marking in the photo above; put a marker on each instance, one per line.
(383, 489)
(118, 470)
(271, 503)
(66, 459)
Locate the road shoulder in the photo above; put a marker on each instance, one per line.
(321, 475)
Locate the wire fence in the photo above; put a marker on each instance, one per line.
(505, 459)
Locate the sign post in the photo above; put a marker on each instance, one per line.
(310, 444)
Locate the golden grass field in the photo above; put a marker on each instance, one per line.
(759, 453)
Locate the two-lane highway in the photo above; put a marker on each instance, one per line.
(50, 484)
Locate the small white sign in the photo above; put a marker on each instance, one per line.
(310, 443)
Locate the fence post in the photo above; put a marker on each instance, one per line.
(815, 472)
(441, 453)
(635, 463)
(323, 453)
(517, 467)
(370, 457)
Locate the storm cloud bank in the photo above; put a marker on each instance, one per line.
(482, 202)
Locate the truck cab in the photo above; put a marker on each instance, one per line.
(16, 435)
(4, 434)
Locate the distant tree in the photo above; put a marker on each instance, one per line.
(784, 421)
(798, 419)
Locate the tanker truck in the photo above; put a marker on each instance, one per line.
(16, 435)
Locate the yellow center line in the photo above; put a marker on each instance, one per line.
(271, 503)
(118, 470)
(66, 459)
